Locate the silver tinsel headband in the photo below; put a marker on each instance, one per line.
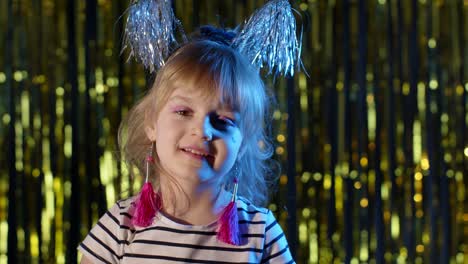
(150, 32)
(268, 38)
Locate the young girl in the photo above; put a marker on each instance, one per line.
(199, 137)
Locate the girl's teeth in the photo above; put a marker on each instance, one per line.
(195, 152)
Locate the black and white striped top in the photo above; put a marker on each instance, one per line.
(115, 239)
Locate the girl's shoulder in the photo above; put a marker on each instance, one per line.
(258, 220)
(126, 203)
(121, 212)
(247, 210)
(245, 204)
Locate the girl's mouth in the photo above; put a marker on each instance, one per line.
(199, 154)
(196, 152)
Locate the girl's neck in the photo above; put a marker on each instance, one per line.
(195, 205)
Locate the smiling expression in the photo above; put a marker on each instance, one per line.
(197, 138)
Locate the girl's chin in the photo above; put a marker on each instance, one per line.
(201, 177)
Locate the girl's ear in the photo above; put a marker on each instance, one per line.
(150, 132)
(241, 152)
(150, 129)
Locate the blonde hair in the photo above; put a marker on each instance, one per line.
(217, 69)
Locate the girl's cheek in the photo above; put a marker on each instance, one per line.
(236, 137)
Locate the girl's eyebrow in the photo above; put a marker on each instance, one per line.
(180, 98)
(222, 108)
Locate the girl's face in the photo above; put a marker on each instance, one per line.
(197, 138)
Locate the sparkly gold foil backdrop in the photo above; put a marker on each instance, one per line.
(373, 145)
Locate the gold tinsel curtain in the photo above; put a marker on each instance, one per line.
(373, 145)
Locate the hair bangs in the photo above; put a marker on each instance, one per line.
(211, 71)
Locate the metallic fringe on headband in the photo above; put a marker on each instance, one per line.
(150, 32)
(269, 38)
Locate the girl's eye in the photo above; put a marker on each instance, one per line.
(222, 122)
(182, 112)
(227, 121)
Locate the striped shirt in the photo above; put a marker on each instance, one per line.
(115, 239)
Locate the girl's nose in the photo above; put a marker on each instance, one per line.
(204, 129)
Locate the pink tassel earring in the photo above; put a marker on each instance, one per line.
(229, 222)
(148, 202)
